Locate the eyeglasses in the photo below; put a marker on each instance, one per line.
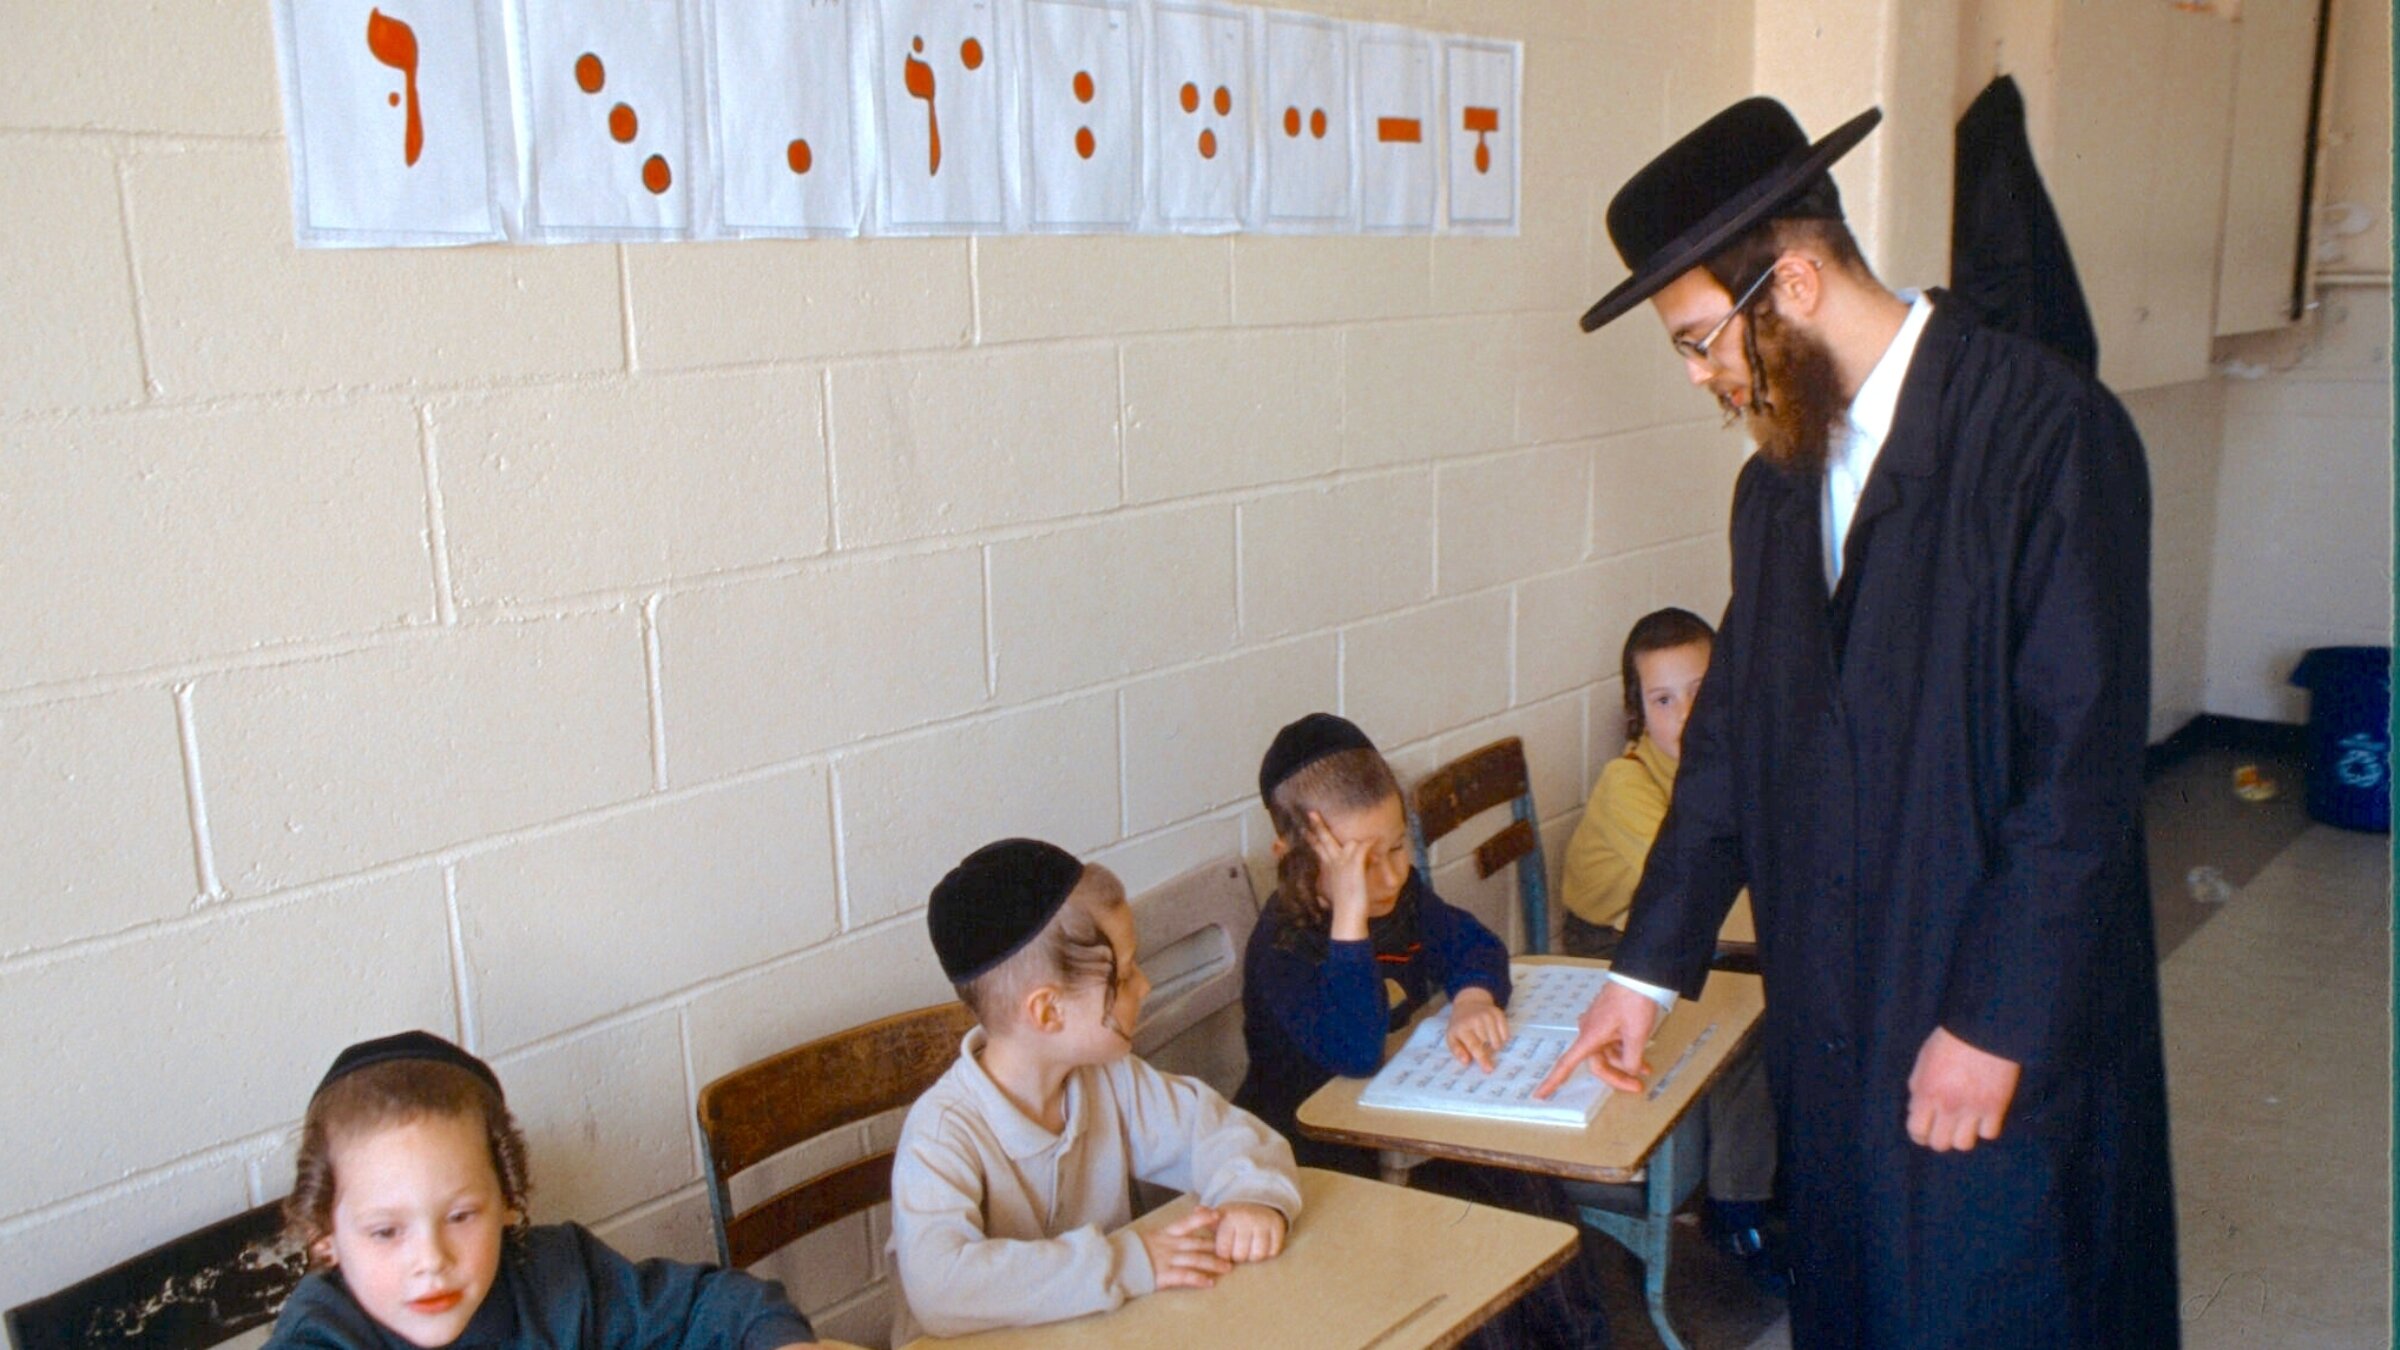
(1691, 350)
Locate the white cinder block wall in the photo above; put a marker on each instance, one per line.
(595, 653)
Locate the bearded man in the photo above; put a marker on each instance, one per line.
(1919, 743)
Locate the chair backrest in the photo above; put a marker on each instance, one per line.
(1191, 932)
(1467, 787)
(201, 1289)
(756, 1112)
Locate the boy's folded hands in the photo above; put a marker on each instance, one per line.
(1193, 1251)
(1183, 1254)
(1247, 1232)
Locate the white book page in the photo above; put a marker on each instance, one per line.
(1543, 1008)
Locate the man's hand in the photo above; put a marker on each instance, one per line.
(1957, 1095)
(1247, 1232)
(1183, 1254)
(1477, 1027)
(1612, 1034)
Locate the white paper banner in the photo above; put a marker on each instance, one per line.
(1482, 132)
(788, 151)
(1399, 169)
(938, 87)
(391, 120)
(1306, 178)
(601, 83)
(422, 122)
(1200, 118)
(1083, 125)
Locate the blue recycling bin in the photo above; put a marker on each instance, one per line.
(2349, 735)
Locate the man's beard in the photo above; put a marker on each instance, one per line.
(1795, 396)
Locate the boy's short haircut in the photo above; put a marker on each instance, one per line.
(1344, 781)
(1070, 951)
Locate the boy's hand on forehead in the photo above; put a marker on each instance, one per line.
(1341, 877)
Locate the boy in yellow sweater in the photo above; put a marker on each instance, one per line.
(1666, 655)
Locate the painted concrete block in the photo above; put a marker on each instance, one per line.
(1030, 287)
(761, 672)
(565, 490)
(574, 925)
(1124, 595)
(333, 766)
(102, 835)
(231, 306)
(1327, 555)
(70, 339)
(151, 539)
(1223, 410)
(1193, 739)
(202, 67)
(746, 301)
(1571, 627)
(1413, 674)
(912, 808)
(606, 1124)
(231, 1022)
(1426, 390)
(943, 445)
(1511, 517)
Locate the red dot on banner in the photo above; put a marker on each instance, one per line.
(393, 99)
(1083, 87)
(971, 52)
(1291, 121)
(655, 175)
(590, 75)
(622, 124)
(1191, 98)
(1316, 124)
(798, 156)
(1208, 145)
(1224, 101)
(1084, 144)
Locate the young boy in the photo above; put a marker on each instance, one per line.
(1013, 1181)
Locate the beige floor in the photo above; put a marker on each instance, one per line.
(2279, 1064)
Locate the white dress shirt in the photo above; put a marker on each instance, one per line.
(1865, 426)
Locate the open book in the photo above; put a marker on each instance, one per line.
(1542, 1011)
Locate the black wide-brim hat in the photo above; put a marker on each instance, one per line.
(1749, 163)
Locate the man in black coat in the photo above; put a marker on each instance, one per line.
(1919, 743)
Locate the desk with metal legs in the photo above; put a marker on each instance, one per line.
(1653, 1139)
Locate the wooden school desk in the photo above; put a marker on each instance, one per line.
(1633, 1132)
(1367, 1267)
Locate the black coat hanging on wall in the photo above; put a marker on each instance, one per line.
(2008, 254)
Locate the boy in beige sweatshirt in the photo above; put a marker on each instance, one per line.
(1012, 1186)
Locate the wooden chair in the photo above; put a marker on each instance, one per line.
(1467, 787)
(199, 1290)
(756, 1112)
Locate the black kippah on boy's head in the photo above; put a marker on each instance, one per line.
(1303, 743)
(407, 1045)
(995, 901)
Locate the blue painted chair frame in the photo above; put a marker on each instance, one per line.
(1470, 785)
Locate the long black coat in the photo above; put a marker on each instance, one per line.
(1931, 783)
